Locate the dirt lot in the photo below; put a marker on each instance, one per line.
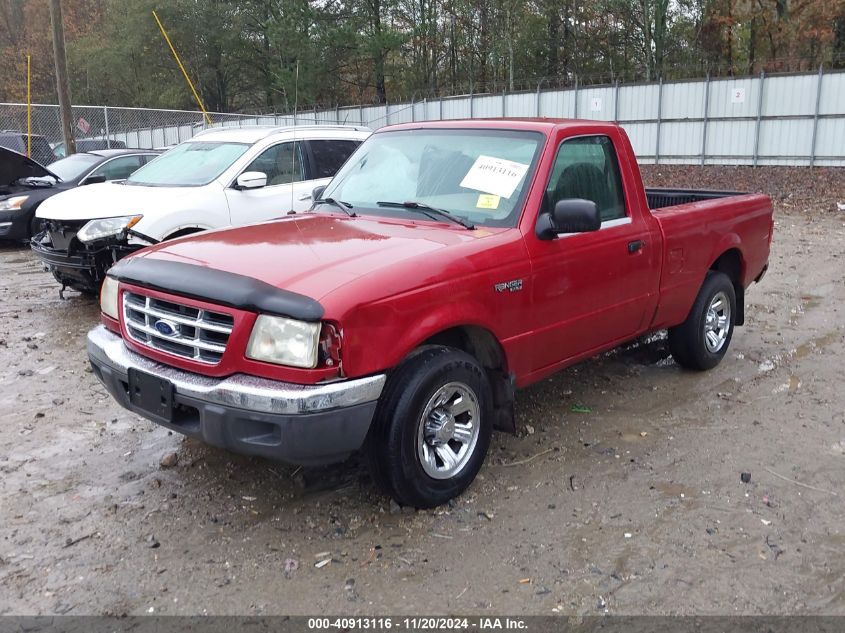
(632, 505)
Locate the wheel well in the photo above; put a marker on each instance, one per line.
(482, 344)
(182, 233)
(730, 263)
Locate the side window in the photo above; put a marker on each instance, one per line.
(587, 168)
(118, 168)
(282, 163)
(329, 156)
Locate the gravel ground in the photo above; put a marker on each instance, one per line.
(621, 494)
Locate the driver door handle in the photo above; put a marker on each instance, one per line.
(635, 246)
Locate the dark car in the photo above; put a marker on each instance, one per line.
(24, 183)
(88, 145)
(14, 140)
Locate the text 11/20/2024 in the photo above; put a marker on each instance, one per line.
(420, 623)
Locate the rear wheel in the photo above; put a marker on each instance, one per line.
(702, 340)
(432, 427)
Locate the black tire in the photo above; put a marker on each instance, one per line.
(393, 444)
(688, 342)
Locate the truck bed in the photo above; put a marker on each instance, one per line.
(696, 231)
(659, 198)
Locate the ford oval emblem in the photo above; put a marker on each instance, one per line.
(166, 328)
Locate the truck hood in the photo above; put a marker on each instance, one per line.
(15, 167)
(313, 254)
(110, 199)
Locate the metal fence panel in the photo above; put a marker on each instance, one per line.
(788, 96)
(833, 94)
(829, 141)
(684, 101)
(730, 142)
(596, 103)
(796, 119)
(677, 136)
(789, 137)
(644, 139)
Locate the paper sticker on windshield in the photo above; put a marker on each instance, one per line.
(487, 201)
(494, 175)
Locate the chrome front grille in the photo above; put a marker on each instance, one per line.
(167, 326)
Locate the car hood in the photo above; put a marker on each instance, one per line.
(15, 166)
(111, 199)
(314, 254)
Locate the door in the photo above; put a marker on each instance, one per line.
(287, 186)
(590, 289)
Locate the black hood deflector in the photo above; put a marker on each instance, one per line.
(215, 286)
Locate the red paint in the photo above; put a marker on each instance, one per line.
(390, 284)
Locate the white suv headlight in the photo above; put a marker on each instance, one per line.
(108, 297)
(284, 341)
(106, 227)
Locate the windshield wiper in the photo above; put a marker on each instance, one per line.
(430, 211)
(340, 204)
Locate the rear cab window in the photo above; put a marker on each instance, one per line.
(586, 167)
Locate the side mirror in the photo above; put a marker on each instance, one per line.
(317, 194)
(572, 215)
(251, 180)
(93, 180)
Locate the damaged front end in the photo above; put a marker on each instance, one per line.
(76, 263)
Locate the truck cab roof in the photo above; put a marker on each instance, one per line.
(536, 124)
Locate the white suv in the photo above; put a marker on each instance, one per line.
(221, 177)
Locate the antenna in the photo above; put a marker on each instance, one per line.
(293, 150)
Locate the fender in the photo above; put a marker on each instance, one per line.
(465, 315)
(443, 317)
(726, 243)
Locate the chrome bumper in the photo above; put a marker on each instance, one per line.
(240, 391)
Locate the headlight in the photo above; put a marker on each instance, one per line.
(12, 204)
(106, 227)
(284, 341)
(108, 297)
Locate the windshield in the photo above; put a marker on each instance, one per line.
(74, 166)
(478, 175)
(190, 164)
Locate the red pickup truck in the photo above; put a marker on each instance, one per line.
(446, 265)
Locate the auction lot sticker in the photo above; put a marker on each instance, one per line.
(494, 175)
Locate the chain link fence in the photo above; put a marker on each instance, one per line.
(97, 127)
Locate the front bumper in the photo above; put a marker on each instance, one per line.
(14, 225)
(298, 424)
(81, 268)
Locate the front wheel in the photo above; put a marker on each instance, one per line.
(432, 427)
(702, 340)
